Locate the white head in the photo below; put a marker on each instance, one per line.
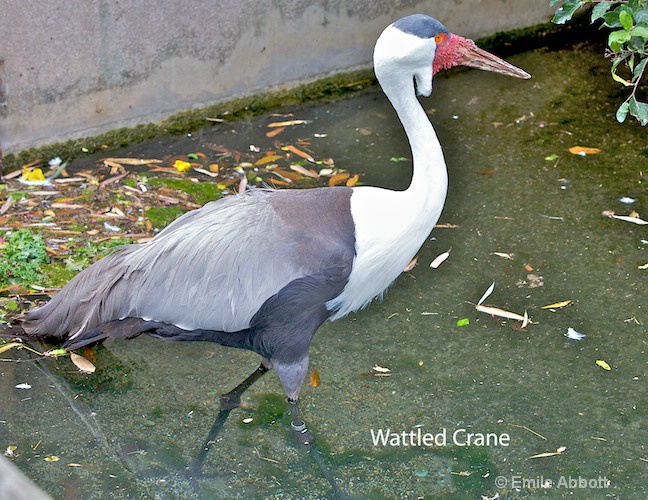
(418, 46)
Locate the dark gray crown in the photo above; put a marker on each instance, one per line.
(420, 25)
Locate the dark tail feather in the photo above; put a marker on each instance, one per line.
(14, 331)
(127, 328)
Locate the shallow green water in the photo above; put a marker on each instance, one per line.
(133, 426)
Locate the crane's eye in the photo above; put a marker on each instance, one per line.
(440, 38)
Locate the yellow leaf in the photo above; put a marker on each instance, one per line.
(315, 380)
(33, 175)
(267, 159)
(352, 181)
(181, 165)
(338, 179)
(582, 150)
(82, 364)
(8, 346)
(557, 305)
(52, 458)
(603, 364)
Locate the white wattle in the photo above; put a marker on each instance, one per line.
(391, 226)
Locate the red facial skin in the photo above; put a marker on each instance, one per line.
(450, 51)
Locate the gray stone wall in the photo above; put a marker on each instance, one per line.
(71, 69)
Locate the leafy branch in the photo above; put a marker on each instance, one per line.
(627, 43)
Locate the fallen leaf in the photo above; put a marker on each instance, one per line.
(626, 218)
(304, 171)
(132, 161)
(82, 363)
(352, 180)
(338, 178)
(206, 172)
(10, 345)
(52, 458)
(35, 174)
(463, 322)
(496, 311)
(65, 206)
(559, 451)
(557, 305)
(299, 152)
(488, 291)
(181, 166)
(6, 205)
(275, 132)
(603, 364)
(440, 259)
(582, 150)
(315, 380)
(411, 265)
(267, 159)
(288, 123)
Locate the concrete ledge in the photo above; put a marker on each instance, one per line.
(75, 70)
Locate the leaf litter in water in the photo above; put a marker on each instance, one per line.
(82, 363)
(496, 311)
(559, 451)
(440, 259)
(603, 364)
(634, 218)
(315, 379)
(583, 151)
(557, 305)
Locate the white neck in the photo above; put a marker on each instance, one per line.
(391, 226)
(428, 188)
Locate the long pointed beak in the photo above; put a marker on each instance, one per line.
(479, 58)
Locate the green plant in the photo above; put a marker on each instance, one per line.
(627, 43)
(23, 255)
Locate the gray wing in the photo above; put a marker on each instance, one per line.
(213, 267)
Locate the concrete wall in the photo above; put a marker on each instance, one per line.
(72, 68)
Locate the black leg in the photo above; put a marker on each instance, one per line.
(228, 402)
(304, 440)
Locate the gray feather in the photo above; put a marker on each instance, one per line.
(212, 268)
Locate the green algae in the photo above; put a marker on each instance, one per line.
(200, 192)
(163, 216)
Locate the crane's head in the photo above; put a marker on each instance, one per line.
(423, 46)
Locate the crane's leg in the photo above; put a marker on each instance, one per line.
(228, 402)
(291, 375)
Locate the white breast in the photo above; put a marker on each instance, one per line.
(390, 227)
